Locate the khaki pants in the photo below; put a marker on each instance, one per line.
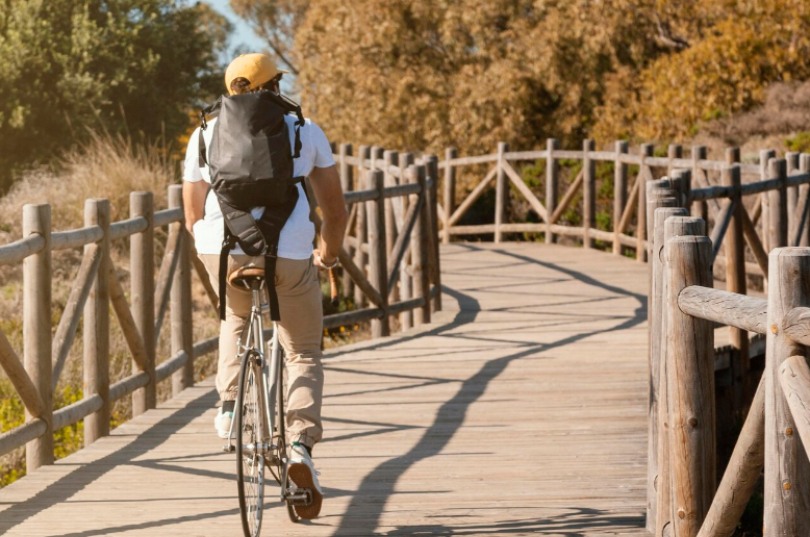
(300, 333)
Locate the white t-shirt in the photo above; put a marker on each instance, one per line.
(298, 232)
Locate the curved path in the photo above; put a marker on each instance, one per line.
(520, 410)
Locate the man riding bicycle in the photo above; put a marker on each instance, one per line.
(296, 271)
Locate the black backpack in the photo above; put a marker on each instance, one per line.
(251, 165)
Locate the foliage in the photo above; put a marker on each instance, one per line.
(423, 75)
(108, 165)
(71, 66)
(800, 142)
(733, 51)
(467, 72)
(66, 440)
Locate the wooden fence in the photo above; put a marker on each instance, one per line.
(741, 213)
(397, 277)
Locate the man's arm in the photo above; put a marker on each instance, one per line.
(194, 202)
(325, 184)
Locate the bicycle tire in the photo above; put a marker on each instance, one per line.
(250, 460)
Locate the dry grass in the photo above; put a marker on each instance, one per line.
(775, 124)
(107, 167)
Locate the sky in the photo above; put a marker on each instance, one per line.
(242, 36)
(245, 40)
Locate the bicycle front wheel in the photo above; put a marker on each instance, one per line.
(250, 446)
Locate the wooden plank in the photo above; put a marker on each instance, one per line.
(69, 322)
(724, 307)
(13, 253)
(474, 195)
(526, 191)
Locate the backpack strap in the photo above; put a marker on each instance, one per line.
(227, 246)
(270, 285)
(213, 111)
(270, 225)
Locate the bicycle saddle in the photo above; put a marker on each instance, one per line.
(247, 277)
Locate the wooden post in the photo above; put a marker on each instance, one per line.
(406, 272)
(619, 192)
(777, 206)
(377, 154)
(803, 231)
(764, 158)
(142, 270)
(449, 191)
(690, 388)
(588, 193)
(390, 159)
(699, 208)
(181, 318)
(659, 194)
(792, 159)
(656, 359)
(641, 227)
(682, 185)
(673, 226)
(361, 183)
(734, 245)
(37, 330)
(96, 331)
(552, 185)
(432, 163)
(501, 192)
(419, 243)
(347, 183)
(394, 213)
(674, 151)
(787, 471)
(378, 257)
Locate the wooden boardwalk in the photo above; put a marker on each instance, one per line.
(520, 410)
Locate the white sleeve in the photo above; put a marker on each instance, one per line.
(191, 164)
(323, 151)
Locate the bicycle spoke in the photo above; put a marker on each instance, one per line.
(250, 450)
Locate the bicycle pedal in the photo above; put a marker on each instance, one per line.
(301, 498)
(230, 448)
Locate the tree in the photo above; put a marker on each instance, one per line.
(735, 52)
(424, 74)
(418, 74)
(132, 66)
(276, 21)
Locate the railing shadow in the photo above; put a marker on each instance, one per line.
(65, 487)
(376, 487)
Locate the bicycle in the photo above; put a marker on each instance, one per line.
(259, 412)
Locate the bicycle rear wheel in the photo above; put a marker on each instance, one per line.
(250, 445)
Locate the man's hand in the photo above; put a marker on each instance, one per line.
(323, 263)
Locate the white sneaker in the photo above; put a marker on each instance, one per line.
(222, 423)
(302, 472)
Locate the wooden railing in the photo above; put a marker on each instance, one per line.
(743, 212)
(689, 501)
(628, 211)
(397, 277)
(95, 288)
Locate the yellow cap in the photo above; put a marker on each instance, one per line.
(256, 67)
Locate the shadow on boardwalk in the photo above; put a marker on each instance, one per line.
(377, 486)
